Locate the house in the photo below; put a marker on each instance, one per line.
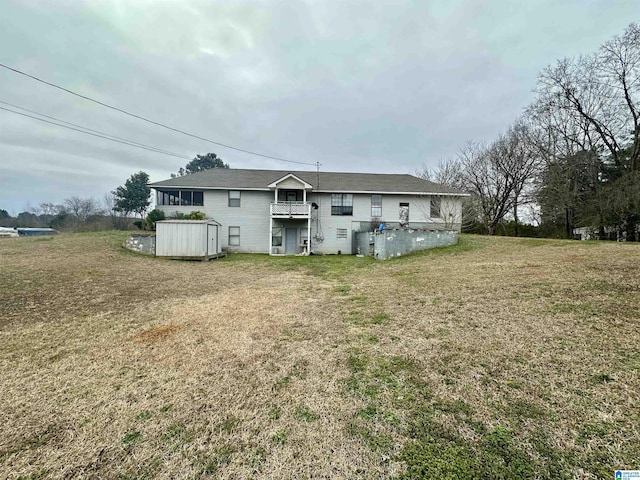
(295, 212)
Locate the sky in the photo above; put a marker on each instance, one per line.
(359, 86)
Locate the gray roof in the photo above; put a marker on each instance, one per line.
(175, 220)
(234, 178)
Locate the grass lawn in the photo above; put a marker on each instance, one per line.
(496, 358)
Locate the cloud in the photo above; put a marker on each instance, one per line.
(358, 86)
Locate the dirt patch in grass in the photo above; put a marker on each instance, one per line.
(156, 334)
(497, 357)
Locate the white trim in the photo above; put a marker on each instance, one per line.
(290, 175)
(210, 188)
(393, 193)
(368, 192)
(175, 220)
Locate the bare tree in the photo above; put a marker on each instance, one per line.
(48, 208)
(590, 104)
(118, 219)
(486, 176)
(522, 162)
(81, 208)
(449, 173)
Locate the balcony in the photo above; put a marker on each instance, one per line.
(291, 210)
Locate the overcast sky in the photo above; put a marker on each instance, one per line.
(371, 86)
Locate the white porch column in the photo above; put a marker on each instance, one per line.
(275, 199)
(270, 233)
(304, 195)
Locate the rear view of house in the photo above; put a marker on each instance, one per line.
(292, 212)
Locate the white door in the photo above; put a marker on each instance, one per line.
(212, 239)
(291, 241)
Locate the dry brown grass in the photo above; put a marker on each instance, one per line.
(116, 365)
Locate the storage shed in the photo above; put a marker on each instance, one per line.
(188, 239)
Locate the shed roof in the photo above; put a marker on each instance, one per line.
(175, 220)
(241, 179)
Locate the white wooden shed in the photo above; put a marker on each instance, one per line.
(188, 239)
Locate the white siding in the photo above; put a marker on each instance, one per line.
(181, 239)
(252, 216)
(329, 225)
(291, 183)
(419, 210)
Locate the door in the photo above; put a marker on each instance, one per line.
(212, 239)
(291, 241)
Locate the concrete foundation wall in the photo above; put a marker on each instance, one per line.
(142, 244)
(395, 243)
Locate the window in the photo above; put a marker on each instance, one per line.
(234, 198)
(171, 197)
(376, 205)
(435, 207)
(341, 204)
(186, 198)
(404, 214)
(181, 197)
(276, 237)
(234, 236)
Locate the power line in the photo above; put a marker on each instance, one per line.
(125, 142)
(151, 121)
(130, 142)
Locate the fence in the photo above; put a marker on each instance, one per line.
(395, 243)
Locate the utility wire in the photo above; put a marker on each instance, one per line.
(130, 142)
(125, 142)
(151, 121)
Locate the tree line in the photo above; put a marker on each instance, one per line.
(73, 214)
(570, 160)
(121, 209)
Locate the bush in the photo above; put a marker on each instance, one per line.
(153, 217)
(190, 216)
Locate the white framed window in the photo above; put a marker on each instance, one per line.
(234, 198)
(376, 205)
(341, 204)
(276, 237)
(234, 236)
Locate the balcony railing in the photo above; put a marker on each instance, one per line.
(291, 209)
